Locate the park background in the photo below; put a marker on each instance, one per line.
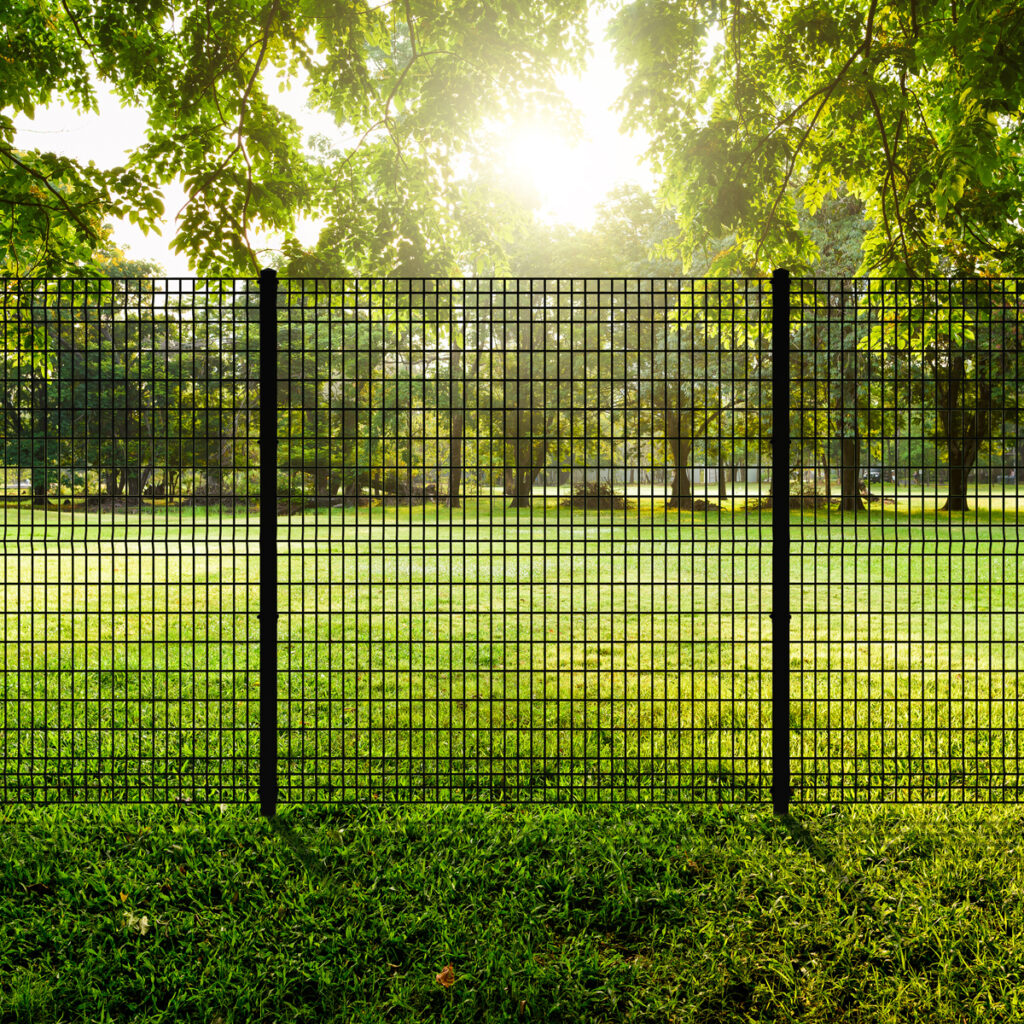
(877, 141)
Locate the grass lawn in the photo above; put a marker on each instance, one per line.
(867, 915)
(486, 654)
(498, 663)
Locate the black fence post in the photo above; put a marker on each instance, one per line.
(781, 788)
(268, 543)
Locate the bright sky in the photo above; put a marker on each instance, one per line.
(570, 178)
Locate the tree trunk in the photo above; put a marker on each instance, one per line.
(522, 479)
(530, 458)
(455, 469)
(849, 440)
(722, 492)
(528, 455)
(353, 490)
(540, 457)
(959, 471)
(964, 432)
(682, 493)
(849, 472)
(39, 421)
(136, 481)
(115, 483)
(322, 483)
(456, 430)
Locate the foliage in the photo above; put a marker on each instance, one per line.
(120, 393)
(913, 108)
(595, 495)
(621, 915)
(115, 380)
(411, 82)
(82, 388)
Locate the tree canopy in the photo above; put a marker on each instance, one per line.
(414, 83)
(912, 106)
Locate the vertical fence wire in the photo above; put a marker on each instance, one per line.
(127, 442)
(524, 533)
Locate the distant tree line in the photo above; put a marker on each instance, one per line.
(436, 387)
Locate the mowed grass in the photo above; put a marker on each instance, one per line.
(204, 912)
(538, 655)
(568, 915)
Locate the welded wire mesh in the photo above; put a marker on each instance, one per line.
(524, 540)
(129, 559)
(524, 553)
(906, 561)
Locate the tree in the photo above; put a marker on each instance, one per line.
(967, 338)
(33, 416)
(662, 348)
(413, 82)
(832, 356)
(914, 107)
(86, 385)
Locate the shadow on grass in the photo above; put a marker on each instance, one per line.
(802, 837)
(288, 835)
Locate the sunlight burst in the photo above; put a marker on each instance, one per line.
(569, 179)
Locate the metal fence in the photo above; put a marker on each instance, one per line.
(130, 549)
(510, 540)
(906, 562)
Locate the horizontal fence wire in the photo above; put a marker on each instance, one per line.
(523, 532)
(509, 569)
(906, 565)
(129, 540)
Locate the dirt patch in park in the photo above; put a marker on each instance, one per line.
(391, 500)
(815, 501)
(697, 505)
(300, 506)
(99, 503)
(596, 498)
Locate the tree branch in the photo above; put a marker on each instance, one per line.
(891, 164)
(40, 177)
(826, 90)
(239, 145)
(75, 26)
(789, 171)
(869, 28)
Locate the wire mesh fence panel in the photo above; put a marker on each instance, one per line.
(520, 537)
(129, 540)
(907, 449)
(524, 545)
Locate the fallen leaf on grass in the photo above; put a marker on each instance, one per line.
(139, 923)
(447, 976)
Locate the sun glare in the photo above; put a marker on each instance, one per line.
(569, 179)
